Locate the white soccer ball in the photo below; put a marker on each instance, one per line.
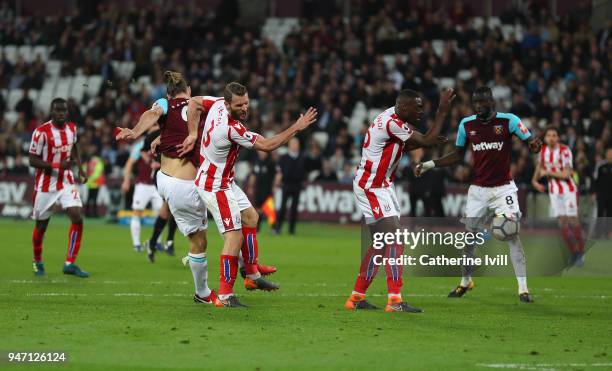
(505, 227)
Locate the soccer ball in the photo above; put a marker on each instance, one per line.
(505, 227)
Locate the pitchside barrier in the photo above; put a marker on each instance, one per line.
(321, 202)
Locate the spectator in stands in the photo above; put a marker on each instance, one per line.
(559, 73)
(20, 167)
(327, 173)
(25, 105)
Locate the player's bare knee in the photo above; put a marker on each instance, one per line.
(249, 217)
(233, 242)
(74, 213)
(41, 225)
(197, 242)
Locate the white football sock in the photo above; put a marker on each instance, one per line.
(466, 270)
(199, 270)
(465, 281)
(517, 255)
(135, 229)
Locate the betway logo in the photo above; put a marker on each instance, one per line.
(12, 192)
(485, 146)
(339, 204)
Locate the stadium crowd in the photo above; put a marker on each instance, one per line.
(558, 73)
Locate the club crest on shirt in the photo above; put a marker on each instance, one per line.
(498, 129)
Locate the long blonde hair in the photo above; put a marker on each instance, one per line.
(175, 83)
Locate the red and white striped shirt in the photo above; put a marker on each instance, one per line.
(53, 145)
(556, 159)
(382, 150)
(221, 141)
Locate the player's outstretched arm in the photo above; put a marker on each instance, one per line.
(450, 159)
(432, 137)
(194, 110)
(537, 174)
(127, 174)
(146, 121)
(270, 144)
(411, 145)
(81, 175)
(535, 144)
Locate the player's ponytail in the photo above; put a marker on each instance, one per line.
(175, 83)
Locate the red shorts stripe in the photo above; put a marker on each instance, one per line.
(367, 171)
(224, 210)
(374, 204)
(210, 177)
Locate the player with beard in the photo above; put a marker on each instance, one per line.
(234, 215)
(492, 190)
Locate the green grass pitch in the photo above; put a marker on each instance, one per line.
(133, 315)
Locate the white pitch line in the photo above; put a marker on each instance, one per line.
(107, 282)
(541, 366)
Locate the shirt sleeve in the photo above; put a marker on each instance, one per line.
(567, 158)
(208, 101)
(241, 136)
(398, 130)
(461, 137)
(163, 103)
(37, 143)
(135, 152)
(517, 128)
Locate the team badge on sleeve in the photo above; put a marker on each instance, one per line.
(523, 128)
